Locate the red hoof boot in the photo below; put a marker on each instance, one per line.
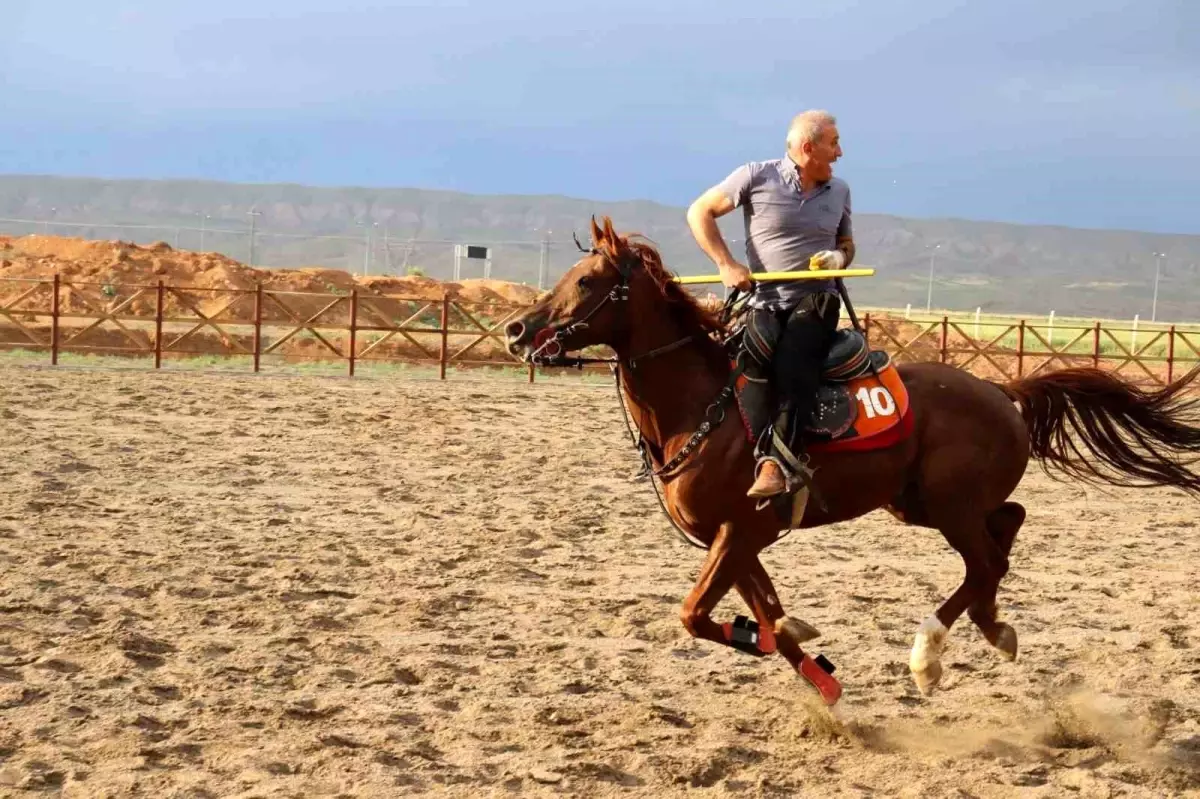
(819, 673)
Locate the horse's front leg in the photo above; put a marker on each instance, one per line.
(754, 584)
(725, 563)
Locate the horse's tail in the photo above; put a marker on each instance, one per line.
(1135, 437)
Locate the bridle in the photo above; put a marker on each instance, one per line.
(551, 352)
(556, 356)
(543, 355)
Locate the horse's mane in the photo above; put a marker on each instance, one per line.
(618, 249)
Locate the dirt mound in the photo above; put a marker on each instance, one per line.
(125, 264)
(497, 291)
(121, 278)
(112, 272)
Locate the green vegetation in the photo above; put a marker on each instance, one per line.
(279, 365)
(1148, 340)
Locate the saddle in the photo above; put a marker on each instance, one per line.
(835, 410)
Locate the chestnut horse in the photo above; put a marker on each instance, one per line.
(970, 444)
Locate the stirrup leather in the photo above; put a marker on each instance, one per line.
(797, 473)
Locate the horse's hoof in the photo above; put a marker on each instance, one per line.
(797, 631)
(928, 677)
(1006, 642)
(925, 662)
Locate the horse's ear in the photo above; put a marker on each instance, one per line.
(613, 239)
(596, 234)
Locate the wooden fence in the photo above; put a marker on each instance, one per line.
(1010, 350)
(165, 322)
(170, 322)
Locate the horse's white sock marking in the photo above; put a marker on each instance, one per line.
(927, 648)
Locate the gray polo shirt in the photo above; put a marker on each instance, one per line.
(785, 225)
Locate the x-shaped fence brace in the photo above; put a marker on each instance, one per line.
(901, 347)
(984, 350)
(1183, 337)
(10, 308)
(488, 332)
(1053, 354)
(1135, 356)
(206, 320)
(103, 314)
(304, 324)
(402, 329)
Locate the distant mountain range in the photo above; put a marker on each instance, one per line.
(1003, 268)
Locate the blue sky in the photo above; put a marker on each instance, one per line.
(1074, 112)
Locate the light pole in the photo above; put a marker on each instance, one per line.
(203, 228)
(254, 215)
(543, 257)
(929, 294)
(1158, 256)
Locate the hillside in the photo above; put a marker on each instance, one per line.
(1000, 267)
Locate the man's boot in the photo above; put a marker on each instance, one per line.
(769, 481)
(778, 468)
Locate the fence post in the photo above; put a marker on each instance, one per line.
(1021, 349)
(445, 333)
(54, 322)
(945, 336)
(1096, 346)
(867, 328)
(258, 306)
(353, 326)
(1170, 354)
(160, 296)
(530, 373)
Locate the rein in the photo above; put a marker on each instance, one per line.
(714, 414)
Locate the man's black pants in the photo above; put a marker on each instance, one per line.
(808, 329)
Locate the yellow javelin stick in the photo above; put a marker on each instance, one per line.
(822, 274)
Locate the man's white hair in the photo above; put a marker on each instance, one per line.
(807, 127)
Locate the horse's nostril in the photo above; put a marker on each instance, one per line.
(514, 330)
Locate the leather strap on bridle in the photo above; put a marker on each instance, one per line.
(714, 414)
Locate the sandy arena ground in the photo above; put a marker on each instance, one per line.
(221, 586)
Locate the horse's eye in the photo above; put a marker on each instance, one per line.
(584, 282)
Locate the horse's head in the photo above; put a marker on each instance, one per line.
(615, 285)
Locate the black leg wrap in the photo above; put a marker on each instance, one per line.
(743, 635)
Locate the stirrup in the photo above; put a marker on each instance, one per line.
(784, 468)
(792, 482)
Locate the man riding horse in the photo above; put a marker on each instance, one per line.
(797, 216)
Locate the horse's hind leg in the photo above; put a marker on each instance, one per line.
(985, 566)
(1002, 525)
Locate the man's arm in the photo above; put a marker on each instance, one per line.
(845, 234)
(843, 252)
(702, 218)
